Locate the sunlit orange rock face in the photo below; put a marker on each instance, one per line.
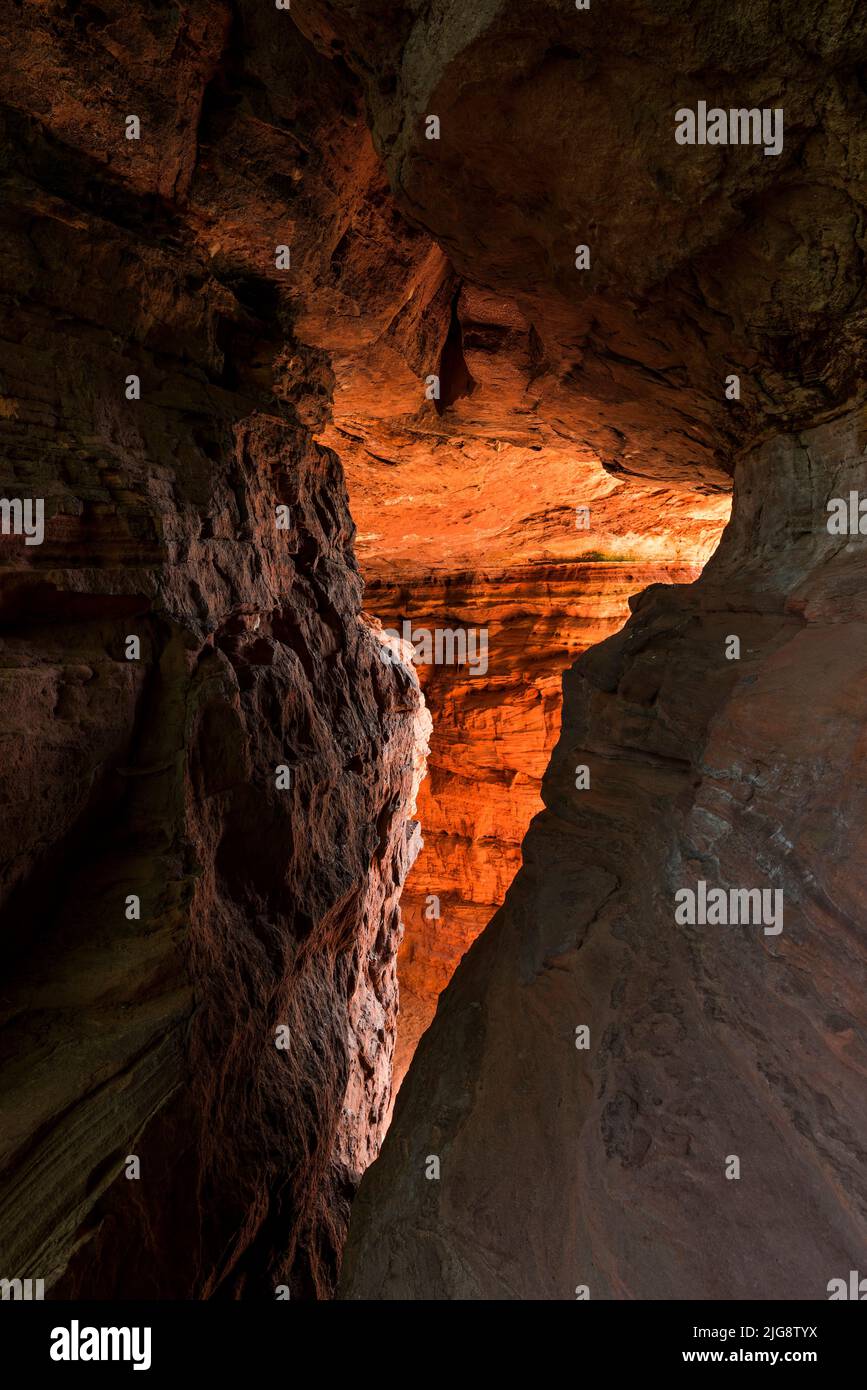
(476, 516)
(492, 738)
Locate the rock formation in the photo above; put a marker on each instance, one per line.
(250, 306)
(600, 1165)
(605, 1167)
(210, 770)
(492, 740)
(484, 518)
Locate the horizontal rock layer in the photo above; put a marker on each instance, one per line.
(496, 719)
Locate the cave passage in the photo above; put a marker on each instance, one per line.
(489, 509)
(329, 320)
(479, 511)
(497, 719)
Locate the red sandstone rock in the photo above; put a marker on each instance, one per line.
(606, 1167)
(260, 908)
(158, 257)
(492, 738)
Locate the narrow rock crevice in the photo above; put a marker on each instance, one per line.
(279, 578)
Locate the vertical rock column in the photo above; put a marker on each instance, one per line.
(209, 769)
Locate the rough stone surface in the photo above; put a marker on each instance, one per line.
(559, 388)
(260, 908)
(557, 129)
(606, 1167)
(492, 739)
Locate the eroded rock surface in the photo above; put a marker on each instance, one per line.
(264, 380)
(605, 1169)
(496, 719)
(169, 909)
(557, 130)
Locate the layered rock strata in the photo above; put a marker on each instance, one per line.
(496, 719)
(183, 298)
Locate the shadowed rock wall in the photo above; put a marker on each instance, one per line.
(605, 1166)
(283, 282)
(173, 905)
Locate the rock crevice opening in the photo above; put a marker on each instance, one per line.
(279, 340)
